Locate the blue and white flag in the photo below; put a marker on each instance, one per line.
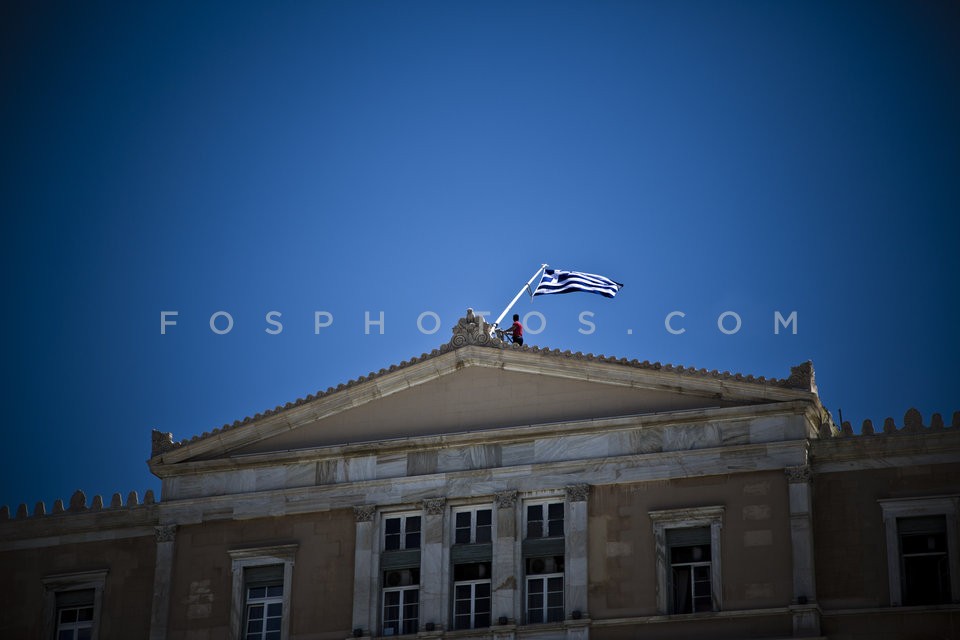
(557, 281)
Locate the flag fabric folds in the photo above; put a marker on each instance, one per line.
(558, 281)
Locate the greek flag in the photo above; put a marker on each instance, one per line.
(557, 281)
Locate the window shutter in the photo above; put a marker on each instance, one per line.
(688, 537)
(263, 576)
(543, 547)
(75, 598)
(471, 553)
(403, 559)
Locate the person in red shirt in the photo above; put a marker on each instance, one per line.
(516, 330)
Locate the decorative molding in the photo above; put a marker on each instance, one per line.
(802, 377)
(165, 533)
(799, 473)
(160, 442)
(434, 506)
(472, 329)
(506, 499)
(577, 492)
(364, 513)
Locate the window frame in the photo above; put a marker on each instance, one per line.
(402, 590)
(544, 577)
(63, 582)
(545, 503)
(242, 559)
(894, 509)
(403, 517)
(691, 518)
(473, 603)
(473, 510)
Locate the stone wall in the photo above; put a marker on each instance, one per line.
(322, 588)
(755, 541)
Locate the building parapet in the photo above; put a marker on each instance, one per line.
(78, 504)
(912, 424)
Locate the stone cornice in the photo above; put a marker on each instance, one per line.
(502, 436)
(464, 351)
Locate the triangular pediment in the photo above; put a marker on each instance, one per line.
(480, 398)
(479, 387)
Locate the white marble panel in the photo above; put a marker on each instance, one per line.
(770, 429)
(734, 433)
(516, 454)
(392, 465)
(640, 441)
(300, 475)
(360, 468)
(572, 448)
(691, 436)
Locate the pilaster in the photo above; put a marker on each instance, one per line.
(162, 579)
(432, 608)
(575, 565)
(504, 576)
(806, 618)
(364, 583)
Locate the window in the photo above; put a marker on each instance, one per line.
(401, 532)
(75, 614)
(923, 556)
(690, 587)
(261, 592)
(471, 595)
(544, 578)
(472, 526)
(922, 561)
(544, 520)
(264, 602)
(72, 603)
(401, 601)
(688, 559)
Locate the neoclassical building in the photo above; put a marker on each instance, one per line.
(491, 491)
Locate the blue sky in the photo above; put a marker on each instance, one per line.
(403, 157)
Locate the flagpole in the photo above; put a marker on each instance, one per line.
(519, 293)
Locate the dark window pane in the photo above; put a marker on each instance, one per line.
(257, 592)
(926, 580)
(484, 517)
(555, 512)
(84, 634)
(65, 635)
(463, 519)
(273, 635)
(481, 620)
(392, 525)
(413, 523)
(85, 614)
(68, 615)
(274, 609)
(275, 592)
(256, 612)
(483, 590)
(255, 626)
(413, 540)
(273, 624)
(391, 598)
(535, 616)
